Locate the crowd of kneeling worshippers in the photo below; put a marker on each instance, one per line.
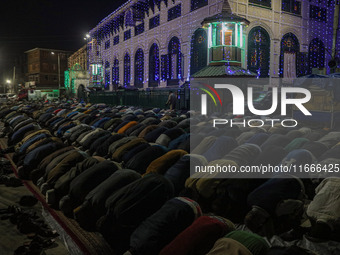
(124, 172)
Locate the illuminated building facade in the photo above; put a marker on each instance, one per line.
(162, 42)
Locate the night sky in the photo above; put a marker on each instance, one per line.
(56, 24)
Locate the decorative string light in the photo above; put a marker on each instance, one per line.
(198, 50)
(157, 68)
(115, 72)
(107, 76)
(259, 51)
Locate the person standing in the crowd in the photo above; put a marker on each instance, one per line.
(172, 99)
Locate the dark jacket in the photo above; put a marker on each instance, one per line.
(163, 226)
(94, 205)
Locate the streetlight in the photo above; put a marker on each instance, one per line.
(8, 82)
(58, 70)
(87, 36)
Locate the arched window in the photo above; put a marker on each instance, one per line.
(127, 69)
(107, 76)
(259, 51)
(154, 65)
(199, 47)
(316, 54)
(175, 59)
(139, 68)
(115, 72)
(290, 48)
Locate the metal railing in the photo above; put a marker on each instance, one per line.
(141, 98)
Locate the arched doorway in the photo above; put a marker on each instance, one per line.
(290, 48)
(316, 54)
(199, 47)
(115, 73)
(81, 93)
(107, 75)
(175, 59)
(259, 51)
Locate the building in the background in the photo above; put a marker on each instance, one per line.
(46, 68)
(162, 43)
(96, 64)
(80, 58)
(77, 76)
